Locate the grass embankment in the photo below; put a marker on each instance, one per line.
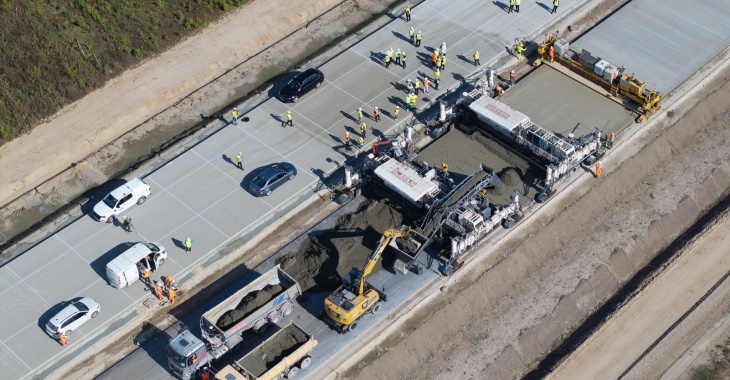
(54, 52)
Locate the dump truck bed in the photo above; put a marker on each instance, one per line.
(278, 353)
(275, 277)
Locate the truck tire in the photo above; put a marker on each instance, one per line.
(352, 326)
(274, 318)
(261, 326)
(287, 309)
(376, 308)
(305, 362)
(292, 373)
(236, 346)
(141, 200)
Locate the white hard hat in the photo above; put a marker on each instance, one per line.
(419, 31)
(239, 153)
(359, 109)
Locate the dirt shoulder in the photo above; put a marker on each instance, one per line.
(147, 113)
(510, 309)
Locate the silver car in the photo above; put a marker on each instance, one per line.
(72, 317)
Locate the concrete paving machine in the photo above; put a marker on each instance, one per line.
(356, 297)
(601, 72)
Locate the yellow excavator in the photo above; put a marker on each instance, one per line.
(356, 297)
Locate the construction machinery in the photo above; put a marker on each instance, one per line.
(262, 302)
(619, 84)
(356, 297)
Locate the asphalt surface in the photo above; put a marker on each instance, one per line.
(202, 194)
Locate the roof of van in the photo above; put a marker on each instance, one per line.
(130, 257)
(127, 188)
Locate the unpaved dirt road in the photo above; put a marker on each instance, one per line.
(622, 341)
(510, 309)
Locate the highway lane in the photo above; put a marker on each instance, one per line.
(201, 194)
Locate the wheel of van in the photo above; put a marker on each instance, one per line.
(352, 326)
(261, 326)
(67, 333)
(162, 261)
(274, 318)
(111, 219)
(293, 371)
(376, 308)
(305, 362)
(141, 200)
(268, 192)
(288, 309)
(94, 314)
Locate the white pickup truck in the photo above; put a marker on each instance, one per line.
(122, 198)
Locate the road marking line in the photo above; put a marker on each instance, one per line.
(18, 357)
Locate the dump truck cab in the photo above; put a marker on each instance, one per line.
(185, 354)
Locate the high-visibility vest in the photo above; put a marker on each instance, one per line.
(397, 110)
(436, 74)
(188, 243)
(476, 55)
(417, 84)
(511, 2)
(418, 36)
(363, 128)
(397, 54)
(288, 116)
(411, 32)
(435, 57)
(235, 114)
(556, 3)
(517, 2)
(238, 158)
(403, 58)
(425, 82)
(408, 10)
(387, 58)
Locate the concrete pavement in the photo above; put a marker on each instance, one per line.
(201, 194)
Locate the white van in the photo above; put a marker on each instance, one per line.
(127, 267)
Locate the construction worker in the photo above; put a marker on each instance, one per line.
(611, 140)
(359, 115)
(289, 119)
(363, 130)
(476, 59)
(127, 224)
(511, 6)
(409, 85)
(171, 293)
(443, 48)
(517, 6)
(412, 34)
(408, 13)
(347, 139)
(425, 84)
(418, 38)
(169, 282)
(403, 59)
(443, 62)
(387, 61)
(62, 339)
(395, 113)
(512, 75)
(360, 142)
(416, 86)
(188, 245)
(205, 374)
(483, 192)
(555, 6)
(438, 64)
(234, 114)
(444, 168)
(435, 58)
(158, 290)
(436, 78)
(519, 49)
(599, 170)
(146, 278)
(498, 90)
(397, 57)
(413, 99)
(376, 114)
(238, 161)
(551, 53)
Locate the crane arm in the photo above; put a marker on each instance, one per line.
(388, 235)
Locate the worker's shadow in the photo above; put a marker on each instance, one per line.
(399, 86)
(501, 5)
(278, 118)
(425, 58)
(178, 243)
(336, 139)
(227, 159)
(377, 57)
(397, 101)
(544, 6)
(401, 36)
(349, 117)
(465, 59)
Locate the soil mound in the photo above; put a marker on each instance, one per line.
(511, 179)
(280, 346)
(323, 259)
(249, 303)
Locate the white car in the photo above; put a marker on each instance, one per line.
(72, 317)
(122, 198)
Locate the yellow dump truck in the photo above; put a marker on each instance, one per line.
(284, 354)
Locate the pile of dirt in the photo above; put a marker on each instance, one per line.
(323, 259)
(511, 178)
(280, 346)
(249, 303)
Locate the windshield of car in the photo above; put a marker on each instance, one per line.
(259, 181)
(80, 306)
(152, 247)
(294, 83)
(174, 357)
(50, 326)
(110, 201)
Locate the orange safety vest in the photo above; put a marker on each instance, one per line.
(435, 57)
(171, 294)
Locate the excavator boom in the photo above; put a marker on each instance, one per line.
(388, 235)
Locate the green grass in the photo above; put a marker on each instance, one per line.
(55, 52)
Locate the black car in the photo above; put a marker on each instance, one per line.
(272, 177)
(301, 84)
